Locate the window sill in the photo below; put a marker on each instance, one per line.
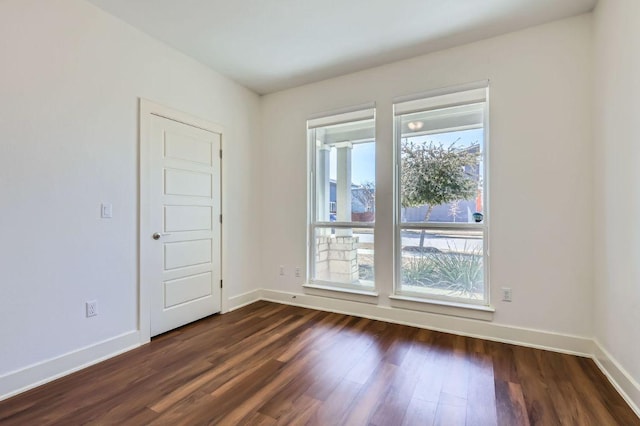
(479, 312)
(345, 293)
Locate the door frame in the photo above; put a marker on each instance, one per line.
(147, 110)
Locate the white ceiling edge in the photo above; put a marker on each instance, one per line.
(273, 45)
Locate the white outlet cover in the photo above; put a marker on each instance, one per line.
(91, 308)
(506, 294)
(106, 210)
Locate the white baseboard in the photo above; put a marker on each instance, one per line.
(32, 376)
(626, 386)
(622, 381)
(43, 372)
(574, 345)
(244, 299)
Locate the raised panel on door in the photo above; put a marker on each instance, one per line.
(188, 218)
(188, 183)
(187, 253)
(187, 289)
(183, 147)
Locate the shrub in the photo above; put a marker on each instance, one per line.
(459, 272)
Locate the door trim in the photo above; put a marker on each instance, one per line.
(148, 109)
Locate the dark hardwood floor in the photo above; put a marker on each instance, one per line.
(269, 364)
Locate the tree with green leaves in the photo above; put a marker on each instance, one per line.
(433, 174)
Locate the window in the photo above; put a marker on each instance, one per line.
(441, 204)
(342, 201)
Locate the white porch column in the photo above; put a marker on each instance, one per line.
(343, 188)
(323, 188)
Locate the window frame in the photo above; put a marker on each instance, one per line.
(344, 116)
(399, 226)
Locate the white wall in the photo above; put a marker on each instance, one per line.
(70, 80)
(541, 167)
(617, 184)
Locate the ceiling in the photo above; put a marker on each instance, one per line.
(271, 45)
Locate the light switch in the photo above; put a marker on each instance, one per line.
(106, 210)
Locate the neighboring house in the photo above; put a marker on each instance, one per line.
(358, 209)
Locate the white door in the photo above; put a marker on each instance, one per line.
(183, 259)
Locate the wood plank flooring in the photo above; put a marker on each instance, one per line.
(271, 364)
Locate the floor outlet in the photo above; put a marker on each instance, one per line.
(92, 308)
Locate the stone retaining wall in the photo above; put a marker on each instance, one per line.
(337, 259)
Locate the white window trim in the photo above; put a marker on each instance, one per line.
(327, 289)
(318, 287)
(358, 113)
(467, 308)
(482, 84)
(435, 306)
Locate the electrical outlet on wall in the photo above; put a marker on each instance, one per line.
(506, 294)
(106, 210)
(282, 270)
(297, 271)
(91, 308)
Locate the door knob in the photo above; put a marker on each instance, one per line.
(156, 236)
